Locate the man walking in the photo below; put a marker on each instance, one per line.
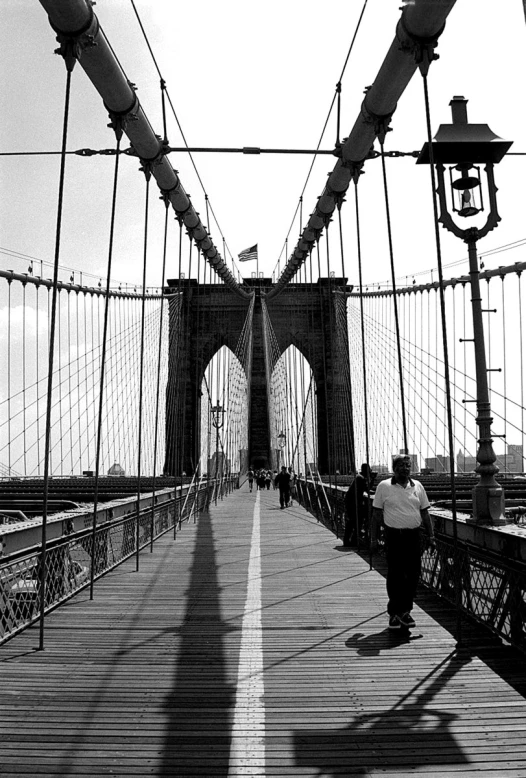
(402, 504)
(357, 506)
(283, 482)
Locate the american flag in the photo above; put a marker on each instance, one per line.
(247, 254)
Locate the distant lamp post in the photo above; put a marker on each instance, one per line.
(218, 420)
(282, 439)
(463, 147)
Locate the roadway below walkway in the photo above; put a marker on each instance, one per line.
(254, 645)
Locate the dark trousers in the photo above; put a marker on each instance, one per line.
(349, 530)
(284, 497)
(404, 550)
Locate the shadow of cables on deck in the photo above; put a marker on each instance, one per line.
(411, 733)
(199, 704)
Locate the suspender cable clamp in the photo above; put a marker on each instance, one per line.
(73, 42)
(70, 50)
(421, 47)
(119, 119)
(117, 124)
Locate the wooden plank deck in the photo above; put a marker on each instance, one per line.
(218, 660)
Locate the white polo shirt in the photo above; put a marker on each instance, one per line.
(401, 505)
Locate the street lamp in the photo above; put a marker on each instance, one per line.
(282, 439)
(463, 147)
(218, 420)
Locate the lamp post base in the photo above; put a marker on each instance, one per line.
(488, 506)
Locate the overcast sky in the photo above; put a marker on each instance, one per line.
(250, 74)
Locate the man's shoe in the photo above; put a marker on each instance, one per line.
(407, 621)
(394, 622)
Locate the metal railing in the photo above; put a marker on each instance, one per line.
(69, 559)
(492, 586)
(323, 501)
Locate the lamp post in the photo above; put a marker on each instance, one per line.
(463, 147)
(282, 439)
(218, 420)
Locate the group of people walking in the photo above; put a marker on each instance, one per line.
(263, 478)
(285, 481)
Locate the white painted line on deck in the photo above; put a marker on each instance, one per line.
(247, 748)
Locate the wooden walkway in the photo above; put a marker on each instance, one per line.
(254, 645)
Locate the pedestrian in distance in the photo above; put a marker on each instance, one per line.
(268, 479)
(401, 504)
(250, 475)
(356, 501)
(283, 482)
(293, 490)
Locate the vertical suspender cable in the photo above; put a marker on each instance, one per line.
(464, 425)
(395, 303)
(24, 372)
(38, 378)
(60, 413)
(86, 370)
(436, 370)
(70, 387)
(458, 593)
(178, 425)
(324, 353)
(505, 388)
(364, 361)
(94, 312)
(103, 368)
(334, 453)
(338, 112)
(79, 413)
(521, 346)
(352, 447)
(159, 358)
(9, 415)
(186, 319)
(141, 367)
(47, 445)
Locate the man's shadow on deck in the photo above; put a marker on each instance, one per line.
(409, 734)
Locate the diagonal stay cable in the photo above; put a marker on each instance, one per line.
(166, 92)
(335, 95)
